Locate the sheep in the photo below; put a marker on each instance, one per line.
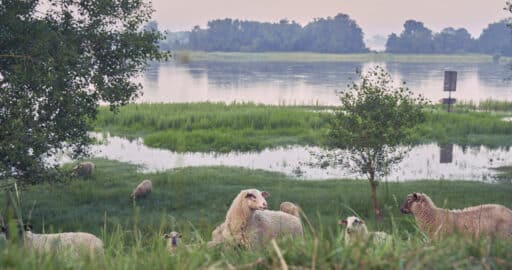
(142, 190)
(217, 235)
(356, 231)
(173, 239)
(484, 220)
(290, 208)
(84, 169)
(249, 224)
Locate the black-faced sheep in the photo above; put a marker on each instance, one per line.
(173, 239)
(487, 219)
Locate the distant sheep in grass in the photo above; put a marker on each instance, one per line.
(248, 224)
(173, 239)
(290, 208)
(482, 220)
(142, 190)
(84, 169)
(357, 231)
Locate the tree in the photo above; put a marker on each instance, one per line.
(58, 60)
(496, 39)
(453, 41)
(415, 38)
(373, 123)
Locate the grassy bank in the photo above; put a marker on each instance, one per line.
(205, 127)
(326, 57)
(194, 200)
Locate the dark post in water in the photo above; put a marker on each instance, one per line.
(450, 85)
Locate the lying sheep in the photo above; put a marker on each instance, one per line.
(286, 207)
(248, 224)
(142, 190)
(356, 231)
(290, 208)
(173, 239)
(487, 219)
(84, 169)
(75, 242)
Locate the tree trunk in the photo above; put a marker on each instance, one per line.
(375, 202)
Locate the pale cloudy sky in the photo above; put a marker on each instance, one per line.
(374, 16)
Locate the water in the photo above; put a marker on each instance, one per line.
(423, 162)
(311, 83)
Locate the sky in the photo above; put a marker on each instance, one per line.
(375, 17)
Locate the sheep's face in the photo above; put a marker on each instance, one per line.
(411, 203)
(354, 224)
(173, 237)
(255, 199)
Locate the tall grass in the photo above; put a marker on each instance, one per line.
(205, 127)
(488, 105)
(195, 200)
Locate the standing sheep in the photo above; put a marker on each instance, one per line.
(142, 190)
(290, 208)
(486, 219)
(356, 231)
(248, 224)
(173, 239)
(84, 169)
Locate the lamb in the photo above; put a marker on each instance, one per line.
(356, 231)
(249, 224)
(142, 190)
(483, 220)
(290, 208)
(173, 239)
(84, 169)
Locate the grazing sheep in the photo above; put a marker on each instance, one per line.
(75, 242)
(173, 240)
(356, 231)
(142, 190)
(248, 224)
(290, 208)
(84, 169)
(487, 219)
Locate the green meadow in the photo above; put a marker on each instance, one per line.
(194, 200)
(329, 57)
(205, 127)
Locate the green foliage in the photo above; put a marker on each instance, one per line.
(375, 118)
(216, 126)
(195, 200)
(57, 65)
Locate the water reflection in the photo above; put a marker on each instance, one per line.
(310, 83)
(423, 162)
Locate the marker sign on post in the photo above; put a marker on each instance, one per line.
(450, 81)
(450, 85)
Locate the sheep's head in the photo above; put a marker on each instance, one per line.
(413, 202)
(255, 199)
(354, 225)
(289, 208)
(173, 237)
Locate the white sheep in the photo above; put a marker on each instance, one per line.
(290, 208)
(248, 224)
(357, 231)
(142, 189)
(75, 242)
(173, 239)
(84, 169)
(486, 219)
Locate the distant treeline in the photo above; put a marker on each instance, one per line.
(339, 34)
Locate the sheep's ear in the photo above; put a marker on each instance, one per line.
(179, 235)
(167, 236)
(415, 196)
(27, 227)
(250, 195)
(3, 229)
(342, 222)
(361, 221)
(265, 194)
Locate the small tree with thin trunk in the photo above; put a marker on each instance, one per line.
(374, 124)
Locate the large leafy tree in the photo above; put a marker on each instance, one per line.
(58, 60)
(373, 123)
